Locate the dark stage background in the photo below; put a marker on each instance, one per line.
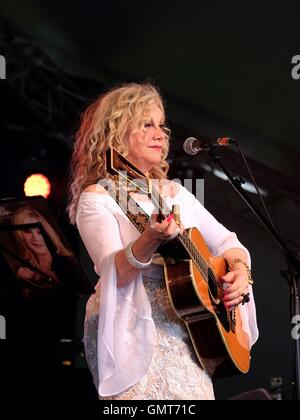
(224, 69)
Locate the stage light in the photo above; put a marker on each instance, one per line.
(37, 184)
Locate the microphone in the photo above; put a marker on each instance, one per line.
(191, 146)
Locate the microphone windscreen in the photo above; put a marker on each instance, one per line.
(188, 146)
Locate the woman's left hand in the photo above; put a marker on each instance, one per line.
(235, 287)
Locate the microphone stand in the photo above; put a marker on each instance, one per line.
(291, 275)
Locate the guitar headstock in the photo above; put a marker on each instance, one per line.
(120, 167)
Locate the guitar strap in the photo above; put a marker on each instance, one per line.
(128, 205)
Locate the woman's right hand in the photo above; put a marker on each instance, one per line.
(162, 231)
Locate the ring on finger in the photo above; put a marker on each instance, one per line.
(246, 298)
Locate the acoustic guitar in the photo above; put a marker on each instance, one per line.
(193, 280)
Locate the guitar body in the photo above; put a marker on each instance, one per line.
(219, 341)
(193, 280)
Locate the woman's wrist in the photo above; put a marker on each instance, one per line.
(144, 247)
(131, 258)
(241, 265)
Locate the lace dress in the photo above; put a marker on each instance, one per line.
(174, 373)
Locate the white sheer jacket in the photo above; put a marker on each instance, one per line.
(126, 331)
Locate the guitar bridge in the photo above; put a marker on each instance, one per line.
(231, 318)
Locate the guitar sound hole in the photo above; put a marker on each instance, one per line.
(212, 285)
(220, 309)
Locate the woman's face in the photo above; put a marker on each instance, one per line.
(145, 145)
(33, 238)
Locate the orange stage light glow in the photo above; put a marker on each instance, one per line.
(37, 184)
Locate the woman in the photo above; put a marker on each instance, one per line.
(135, 345)
(34, 250)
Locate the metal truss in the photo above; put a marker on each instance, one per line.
(52, 98)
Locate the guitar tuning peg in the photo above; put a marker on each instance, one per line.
(176, 212)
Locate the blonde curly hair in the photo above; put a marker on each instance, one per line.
(108, 122)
